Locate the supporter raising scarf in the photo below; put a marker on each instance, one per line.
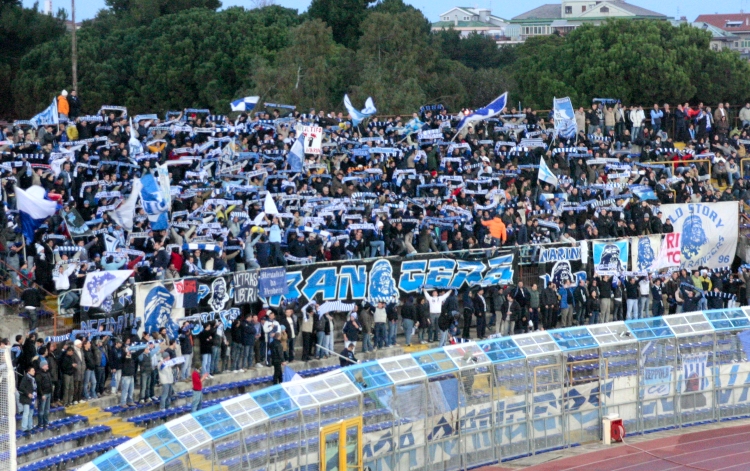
(490, 111)
(359, 116)
(153, 203)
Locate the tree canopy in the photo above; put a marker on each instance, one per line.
(155, 55)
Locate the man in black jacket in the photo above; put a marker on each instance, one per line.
(248, 341)
(512, 314)
(348, 357)
(549, 303)
(277, 358)
(44, 383)
(31, 299)
(68, 366)
(26, 391)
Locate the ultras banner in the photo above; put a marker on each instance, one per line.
(709, 232)
(163, 304)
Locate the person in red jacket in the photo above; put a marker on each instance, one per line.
(497, 229)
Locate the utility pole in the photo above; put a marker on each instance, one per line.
(74, 56)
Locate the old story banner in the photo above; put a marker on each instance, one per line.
(709, 232)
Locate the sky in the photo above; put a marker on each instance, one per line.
(86, 9)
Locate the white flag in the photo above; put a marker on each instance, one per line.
(545, 174)
(100, 284)
(123, 215)
(269, 206)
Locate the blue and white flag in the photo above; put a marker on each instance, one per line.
(245, 104)
(545, 174)
(100, 284)
(290, 375)
(565, 120)
(152, 199)
(33, 208)
(296, 156)
(644, 192)
(359, 116)
(48, 116)
(493, 109)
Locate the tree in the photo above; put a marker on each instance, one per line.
(145, 11)
(639, 62)
(21, 29)
(198, 58)
(476, 50)
(343, 16)
(309, 72)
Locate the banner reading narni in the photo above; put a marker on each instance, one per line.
(709, 232)
(560, 264)
(392, 278)
(610, 258)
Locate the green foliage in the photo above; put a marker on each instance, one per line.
(476, 50)
(639, 62)
(344, 16)
(196, 58)
(144, 11)
(309, 72)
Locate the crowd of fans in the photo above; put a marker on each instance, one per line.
(387, 186)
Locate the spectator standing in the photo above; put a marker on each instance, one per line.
(206, 342)
(44, 383)
(644, 291)
(128, 380)
(197, 399)
(63, 107)
(185, 338)
(306, 328)
(347, 356)
(409, 319)
(277, 357)
(594, 308)
(657, 308)
(435, 302)
(27, 393)
(480, 310)
(632, 295)
(534, 305)
(166, 379)
(68, 367)
(115, 365)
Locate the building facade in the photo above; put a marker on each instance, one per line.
(468, 20)
(730, 31)
(567, 16)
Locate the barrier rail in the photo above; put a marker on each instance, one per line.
(471, 404)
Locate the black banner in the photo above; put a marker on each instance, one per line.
(245, 287)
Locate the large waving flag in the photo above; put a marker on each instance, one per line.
(245, 104)
(564, 116)
(48, 116)
(359, 116)
(493, 109)
(34, 208)
(296, 156)
(100, 284)
(154, 203)
(545, 174)
(124, 214)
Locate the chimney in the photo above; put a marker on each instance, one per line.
(48, 7)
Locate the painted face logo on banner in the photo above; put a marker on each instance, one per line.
(693, 237)
(382, 285)
(96, 283)
(158, 311)
(219, 294)
(645, 253)
(562, 272)
(611, 258)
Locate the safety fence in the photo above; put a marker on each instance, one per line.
(465, 405)
(8, 460)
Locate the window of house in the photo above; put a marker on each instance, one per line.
(568, 10)
(466, 18)
(604, 9)
(583, 8)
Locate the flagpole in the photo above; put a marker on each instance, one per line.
(331, 351)
(74, 55)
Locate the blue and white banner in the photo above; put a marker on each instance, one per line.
(695, 373)
(557, 254)
(610, 258)
(657, 382)
(709, 232)
(272, 282)
(645, 251)
(100, 284)
(48, 116)
(152, 199)
(565, 120)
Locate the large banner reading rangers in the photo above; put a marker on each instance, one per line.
(709, 232)
(313, 139)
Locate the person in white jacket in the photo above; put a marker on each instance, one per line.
(637, 117)
(436, 306)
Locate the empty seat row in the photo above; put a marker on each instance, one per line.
(55, 424)
(68, 437)
(64, 460)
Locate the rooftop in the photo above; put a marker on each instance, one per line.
(733, 22)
